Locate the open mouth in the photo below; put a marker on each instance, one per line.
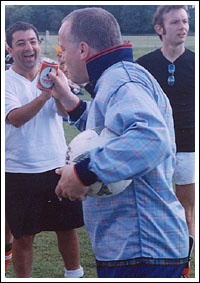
(182, 34)
(30, 56)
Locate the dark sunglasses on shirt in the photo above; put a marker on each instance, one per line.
(171, 78)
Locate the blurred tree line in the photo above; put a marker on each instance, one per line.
(133, 19)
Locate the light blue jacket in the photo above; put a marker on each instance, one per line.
(146, 222)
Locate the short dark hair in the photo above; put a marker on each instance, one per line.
(95, 26)
(16, 27)
(163, 9)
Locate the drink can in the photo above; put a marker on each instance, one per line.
(47, 66)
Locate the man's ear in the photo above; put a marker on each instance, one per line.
(158, 29)
(9, 49)
(84, 50)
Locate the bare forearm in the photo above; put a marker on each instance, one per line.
(69, 102)
(19, 116)
(60, 108)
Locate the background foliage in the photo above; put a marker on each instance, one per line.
(133, 19)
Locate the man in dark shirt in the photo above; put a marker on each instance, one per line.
(174, 68)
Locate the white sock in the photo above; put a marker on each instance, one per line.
(76, 273)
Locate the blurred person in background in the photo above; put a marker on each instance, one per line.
(76, 89)
(8, 245)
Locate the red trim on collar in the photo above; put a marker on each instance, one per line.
(106, 51)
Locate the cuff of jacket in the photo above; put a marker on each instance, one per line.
(77, 111)
(85, 176)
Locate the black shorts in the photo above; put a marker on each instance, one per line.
(32, 205)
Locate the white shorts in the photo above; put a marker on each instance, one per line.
(184, 173)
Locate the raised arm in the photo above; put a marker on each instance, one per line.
(19, 116)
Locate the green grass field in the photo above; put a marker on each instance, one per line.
(141, 44)
(47, 262)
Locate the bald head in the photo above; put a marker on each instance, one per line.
(95, 26)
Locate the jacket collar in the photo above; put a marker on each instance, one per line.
(102, 60)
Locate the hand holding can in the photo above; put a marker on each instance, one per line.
(47, 66)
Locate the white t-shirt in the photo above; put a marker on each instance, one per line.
(39, 145)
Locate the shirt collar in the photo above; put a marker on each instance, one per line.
(102, 60)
